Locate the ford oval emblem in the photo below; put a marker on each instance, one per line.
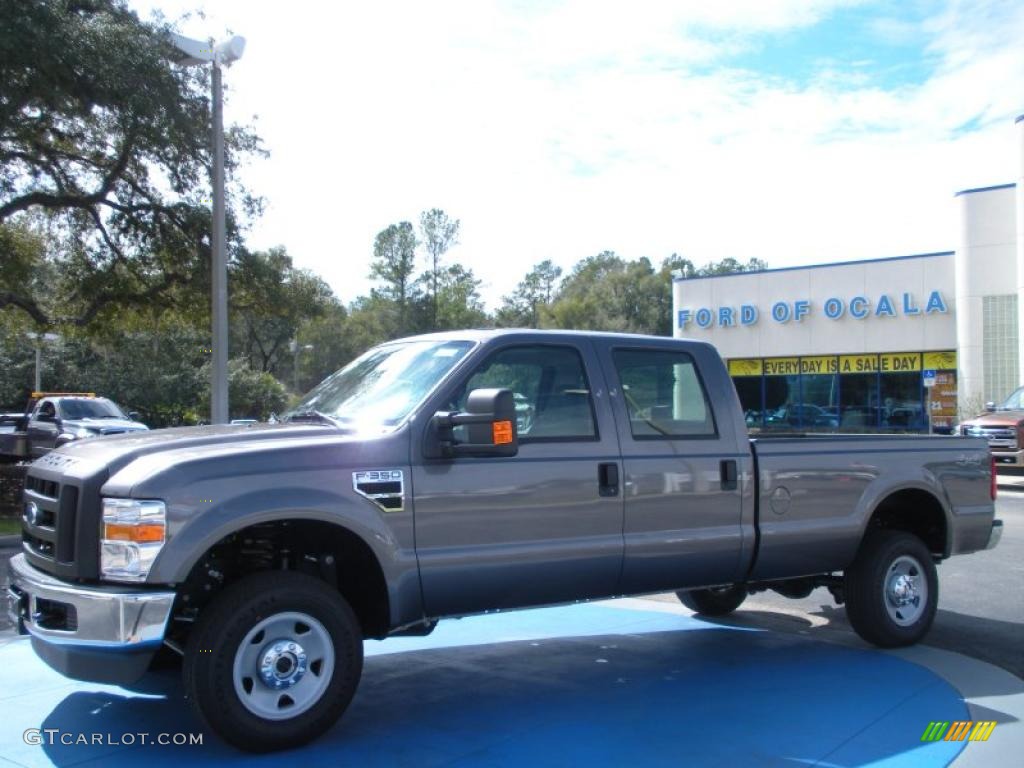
(32, 513)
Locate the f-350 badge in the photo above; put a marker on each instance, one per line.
(384, 487)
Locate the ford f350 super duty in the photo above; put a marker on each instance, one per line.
(456, 473)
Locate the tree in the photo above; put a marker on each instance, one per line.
(607, 292)
(252, 394)
(439, 234)
(270, 300)
(730, 266)
(333, 345)
(394, 263)
(533, 295)
(457, 302)
(104, 151)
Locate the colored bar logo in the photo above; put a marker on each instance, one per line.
(959, 730)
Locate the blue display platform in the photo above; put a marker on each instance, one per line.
(576, 685)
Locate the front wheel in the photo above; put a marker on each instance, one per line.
(892, 589)
(273, 661)
(715, 601)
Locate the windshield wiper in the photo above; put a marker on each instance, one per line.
(316, 416)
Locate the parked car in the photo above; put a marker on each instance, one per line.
(53, 419)
(1003, 426)
(802, 416)
(264, 555)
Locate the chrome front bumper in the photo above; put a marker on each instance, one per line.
(97, 617)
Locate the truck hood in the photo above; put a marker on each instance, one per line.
(116, 451)
(996, 419)
(104, 426)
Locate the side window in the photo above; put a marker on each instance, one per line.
(47, 411)
(550, 388)
(663, 394)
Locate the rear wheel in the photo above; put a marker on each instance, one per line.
(892, 589)
(714, 601)
(273, 661)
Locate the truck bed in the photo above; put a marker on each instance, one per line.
(815, 493)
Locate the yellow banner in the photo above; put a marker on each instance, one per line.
(745, 367)
(900, 362)
(858, 364)
(782, 366)
(810, 366)
(940, 361)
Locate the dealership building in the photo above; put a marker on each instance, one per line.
(906, 343)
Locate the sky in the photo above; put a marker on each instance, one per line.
(795, 131)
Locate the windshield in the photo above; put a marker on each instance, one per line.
(1014, 402)
(90, 409)
(380, 388)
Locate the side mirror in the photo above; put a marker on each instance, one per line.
(489, 423)
(133, 415)
(990, 406)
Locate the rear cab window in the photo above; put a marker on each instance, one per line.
(663, 395)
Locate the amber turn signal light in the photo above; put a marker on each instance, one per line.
(502, 432)
(144, 533)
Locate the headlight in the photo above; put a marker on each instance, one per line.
(133, 534)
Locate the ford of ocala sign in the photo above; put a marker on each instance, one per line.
(833, 308)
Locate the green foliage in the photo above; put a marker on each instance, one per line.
(270, 301)
(606, 292)
(251, 394)
(526, 307)
(331, 337)
(105, 150)
(394, 264)
(457, 303)
(439, 233)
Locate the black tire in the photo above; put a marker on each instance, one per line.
(716, 601)
(217, 641)
(872, 582)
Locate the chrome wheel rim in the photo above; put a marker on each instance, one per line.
(905, 591)
(283, 665)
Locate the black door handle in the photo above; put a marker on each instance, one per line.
(728, 470)
(608, 479)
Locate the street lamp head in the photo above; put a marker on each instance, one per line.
(204, 51)
(229, 51)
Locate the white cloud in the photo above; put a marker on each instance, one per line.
(557, 133)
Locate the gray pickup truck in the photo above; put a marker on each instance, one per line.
(456, 473)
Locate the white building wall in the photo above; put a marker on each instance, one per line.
(816, 334)
(1020, 246)
(986, 265)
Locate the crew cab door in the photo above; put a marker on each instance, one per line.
(684, 468)
(543, 526)
(43, 428)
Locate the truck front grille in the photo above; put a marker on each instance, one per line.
(47, 488)
(48, 520)
(998, 437)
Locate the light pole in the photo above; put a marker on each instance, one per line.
(296, 348)
(40, 338)
(223, 53)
